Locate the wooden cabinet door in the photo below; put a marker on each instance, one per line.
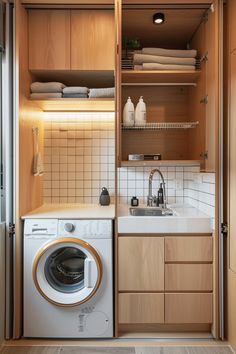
(141, 263)
(49, 39)
(92, 40)
(141, 308)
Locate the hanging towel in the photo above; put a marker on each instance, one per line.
(156, 66)
(145, 58)
(102, 92)
(43, 87)
(75, 95)
(75, 89)
(38, 168)
(179, 53)
(43, 96)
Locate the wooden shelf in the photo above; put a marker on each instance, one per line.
(143, 77)
(160, 163)
(76, 104)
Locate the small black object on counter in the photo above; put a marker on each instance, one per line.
(134, 201)
(104, 198)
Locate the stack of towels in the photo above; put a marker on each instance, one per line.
(43, 90)
(165, 59)
(75, 92)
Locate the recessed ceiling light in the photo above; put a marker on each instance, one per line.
(158, 18)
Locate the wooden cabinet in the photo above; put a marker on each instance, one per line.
(188, 249)
(141, 308)
(49, 39)
(92, 39)
(71, 39)
(141, 264)
(188, 277)
(188, 308)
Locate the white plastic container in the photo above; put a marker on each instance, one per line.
(140, 113)
(128, 113)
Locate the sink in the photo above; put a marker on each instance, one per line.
(150, 211)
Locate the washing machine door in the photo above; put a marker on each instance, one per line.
(67, 271)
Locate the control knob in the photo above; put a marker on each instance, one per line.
(69, 227)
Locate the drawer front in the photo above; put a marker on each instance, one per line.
(188, 249)
(141, 308)
(188, 308)
(188, 277)
(141, 264)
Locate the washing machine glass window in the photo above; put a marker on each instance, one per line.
(67, 272)
(64, 269)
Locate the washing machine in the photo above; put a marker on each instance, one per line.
(68, 287)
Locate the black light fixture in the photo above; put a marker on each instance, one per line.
(158, 18)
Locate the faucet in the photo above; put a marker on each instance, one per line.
(151, 198)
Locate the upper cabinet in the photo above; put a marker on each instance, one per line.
(92, 40)
(49, 39)
(71, 40)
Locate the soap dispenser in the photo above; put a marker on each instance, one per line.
(104, 197)
(128, 113)
(140, 113)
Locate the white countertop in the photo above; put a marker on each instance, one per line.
(186, 219)
(72, 211)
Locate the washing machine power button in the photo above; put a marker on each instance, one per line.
(69, 227)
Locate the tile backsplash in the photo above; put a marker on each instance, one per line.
(183, 185)
(79, 156)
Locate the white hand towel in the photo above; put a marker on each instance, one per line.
(44, 87)
(38, 168)
(156, 66)
(145, 58)
(179, 53)
(102, 92)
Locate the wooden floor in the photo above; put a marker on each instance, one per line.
(118, 350)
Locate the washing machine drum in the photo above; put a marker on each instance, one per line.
(67, 272)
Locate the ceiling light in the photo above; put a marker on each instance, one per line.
(158, 18)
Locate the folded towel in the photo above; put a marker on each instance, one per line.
(75, 89)
(102, 92)
(138, 67)
(74, 95)
(145, 58)
(156, 66)
(43, 96)
(179, 53)
(43, 87)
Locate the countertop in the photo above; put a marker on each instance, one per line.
(186, 219)
(72, 211)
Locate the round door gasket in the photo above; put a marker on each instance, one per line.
(71, 240)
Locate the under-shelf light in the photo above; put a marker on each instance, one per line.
(79, 116)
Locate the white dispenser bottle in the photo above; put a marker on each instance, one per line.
(128, 113)
(140, 113)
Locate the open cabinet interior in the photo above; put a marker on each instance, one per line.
(171, 96)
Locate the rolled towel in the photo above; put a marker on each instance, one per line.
(145, 58)
(75, 89)
(156, 66)
(74, 95)
(102, 92)
(43, 96)
(44, 87)
(179, 53)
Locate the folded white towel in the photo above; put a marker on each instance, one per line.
(43, 87)
(145, 58)
(42, 96)
(102, 92)
(75, 89)
(156, 66)
(179, 53)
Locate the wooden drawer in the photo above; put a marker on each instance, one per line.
(188, 249)
(141, 264)
(188, 308)
(141, 308)
(188, 277)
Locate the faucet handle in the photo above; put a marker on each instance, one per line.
(149, 201)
